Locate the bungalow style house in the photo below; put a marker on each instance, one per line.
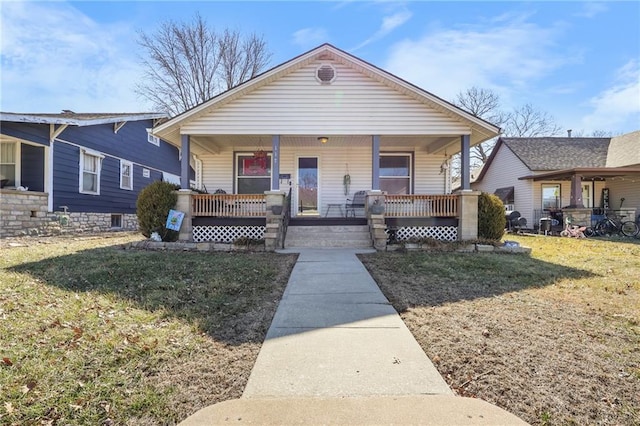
(555, 176)
(304, 138)
(79, 172)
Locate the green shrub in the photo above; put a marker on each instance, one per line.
(152, 209)
(491, 218)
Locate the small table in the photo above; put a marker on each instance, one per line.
(329, 206)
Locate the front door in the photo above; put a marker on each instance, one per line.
(308, 186)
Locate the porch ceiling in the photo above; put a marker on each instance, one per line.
(431, 144)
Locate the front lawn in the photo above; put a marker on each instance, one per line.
(553, 338)
(93, 334)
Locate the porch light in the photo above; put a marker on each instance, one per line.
(323, 139)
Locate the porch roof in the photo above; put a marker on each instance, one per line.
(479, 129)
(78, 119)
(593, 173)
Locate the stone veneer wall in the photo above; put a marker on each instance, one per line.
(25, 213)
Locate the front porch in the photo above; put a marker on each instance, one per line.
(225, 218)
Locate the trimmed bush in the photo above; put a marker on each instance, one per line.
(152, 209)
(491, 218)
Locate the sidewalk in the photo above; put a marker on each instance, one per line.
(338, 352)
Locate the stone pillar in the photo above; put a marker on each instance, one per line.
(581, 217)
(467, 215)
(184, 205)
(275, 212)
(374, 210)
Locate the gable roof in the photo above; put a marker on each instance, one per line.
(78, 119)
(482, 130)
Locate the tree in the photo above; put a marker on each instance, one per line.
(527, 121)
(485, 104)
(189, 63)
(524, 121)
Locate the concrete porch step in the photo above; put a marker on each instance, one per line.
(356, 236)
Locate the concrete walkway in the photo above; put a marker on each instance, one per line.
(337, 352)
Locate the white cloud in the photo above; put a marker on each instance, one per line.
(591, 9)
(617, 107)
(389, 23)
(504, 56)
(54, 58)
(310, 37)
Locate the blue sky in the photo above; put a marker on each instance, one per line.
(579, 61)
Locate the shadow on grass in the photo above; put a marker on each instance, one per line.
(433, 279)
(230, 296)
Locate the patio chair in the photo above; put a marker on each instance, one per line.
(357, 202)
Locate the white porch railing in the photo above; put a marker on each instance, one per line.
(229, 205)
(421, 206)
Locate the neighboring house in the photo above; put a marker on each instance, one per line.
(325, 125)
(550, 176)
(90, 165)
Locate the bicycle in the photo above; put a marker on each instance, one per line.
(613, 224)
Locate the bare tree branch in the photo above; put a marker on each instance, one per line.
(189, 63)
(528, 121)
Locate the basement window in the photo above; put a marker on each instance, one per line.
(116, 221)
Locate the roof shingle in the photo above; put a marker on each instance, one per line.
(552, 153)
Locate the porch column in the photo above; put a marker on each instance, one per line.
(465, 162)
(576, 192)
(375, 163)
(468, 215)
(184, 162)
(48, 176)
(275, 166)
(184, 205)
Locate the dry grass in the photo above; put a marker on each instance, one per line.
(553, 338)
(93, 334)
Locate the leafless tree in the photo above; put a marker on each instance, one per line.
(189, 63)
(527, 121)
(485, 104)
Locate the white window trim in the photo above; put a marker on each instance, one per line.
(558, 186)
(100, 157)
(130, 164)
(237, 172)
(401, 154)
(16, 161)
(152, 139)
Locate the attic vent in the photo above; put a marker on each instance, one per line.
(326, 74)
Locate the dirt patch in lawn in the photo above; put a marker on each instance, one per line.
(553, 338)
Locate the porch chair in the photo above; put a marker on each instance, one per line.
(357, 202)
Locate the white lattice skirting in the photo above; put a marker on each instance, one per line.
(226, 234)
(442, 233)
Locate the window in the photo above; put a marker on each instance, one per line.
(90, 165)
(152, 139)
(126, 175)
(253, 175)
(550, 196)
(116, 221)
(7, 164)
(395, 173)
